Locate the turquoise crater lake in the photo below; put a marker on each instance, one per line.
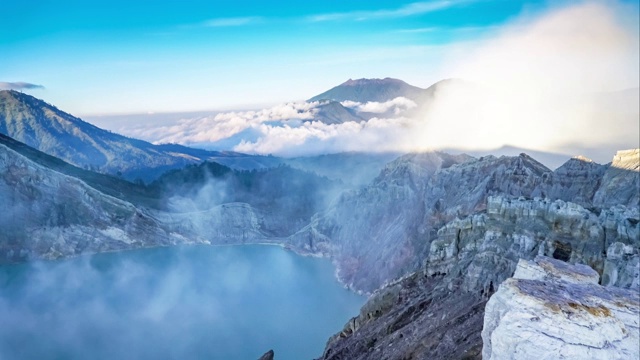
(194, 302)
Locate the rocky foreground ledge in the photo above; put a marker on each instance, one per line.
(554, 310)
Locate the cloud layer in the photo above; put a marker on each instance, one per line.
(412, 9)
(19, 86)
(547, 82)
(288, 129)
(550, 82)
(397, 105)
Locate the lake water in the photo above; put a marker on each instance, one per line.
(195, 302)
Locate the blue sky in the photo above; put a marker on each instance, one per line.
(97, 57)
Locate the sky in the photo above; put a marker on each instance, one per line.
(553, 76)
(118, 57)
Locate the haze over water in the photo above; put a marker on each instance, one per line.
(232, 302)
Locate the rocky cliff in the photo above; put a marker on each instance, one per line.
(553, 310)
(386, 229)
(50, 215)
(437, 312)
(485, 248)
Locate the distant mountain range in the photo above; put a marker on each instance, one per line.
(48, 129)
(54, 132)
(57, 133)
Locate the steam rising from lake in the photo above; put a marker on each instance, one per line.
(179, 303)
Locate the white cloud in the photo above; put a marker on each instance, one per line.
(285, 129)
(221, 126)
(412, 9)
(541, 84)
(398, 105)
(235, 21)
(375, 135)
(545, 83)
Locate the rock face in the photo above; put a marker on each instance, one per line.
(552, 310)
(621, 182)
(385, 229)
(416, 317)
(486, 247)
(380, 226)
(50, 215)
(577, 181)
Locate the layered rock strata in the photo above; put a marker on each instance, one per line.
(386, 229)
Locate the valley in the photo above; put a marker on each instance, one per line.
(427, 236)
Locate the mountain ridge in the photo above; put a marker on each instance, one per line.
(43, 126)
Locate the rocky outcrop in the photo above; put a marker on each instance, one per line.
(622, 266)
(552, 310)
(381, 226)
(267, 356)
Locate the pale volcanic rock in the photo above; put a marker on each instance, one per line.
(560, 316)
(549, 269)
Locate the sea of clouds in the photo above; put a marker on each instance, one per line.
(564, 81)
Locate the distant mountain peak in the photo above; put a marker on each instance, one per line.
(365, 90)
(373, 81)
